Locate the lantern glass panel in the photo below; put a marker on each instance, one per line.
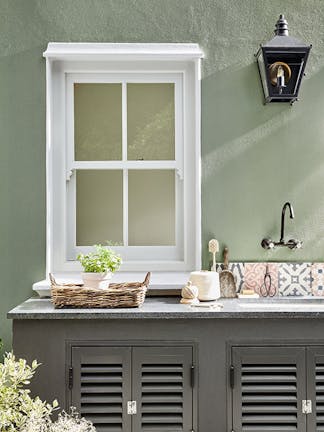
(295, 62)
(263, 74)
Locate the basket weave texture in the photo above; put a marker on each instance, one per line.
(121, 295)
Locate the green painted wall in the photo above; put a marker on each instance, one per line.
(254, 157)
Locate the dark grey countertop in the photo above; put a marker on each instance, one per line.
(170, 308)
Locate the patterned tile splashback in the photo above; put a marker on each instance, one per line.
(317, 274)
(295, 279)
(254, 276)
(288, 279)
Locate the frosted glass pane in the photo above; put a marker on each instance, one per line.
(99, 207)
(97, 121)
(150, 121)
(151, 210)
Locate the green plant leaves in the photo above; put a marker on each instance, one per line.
(16, 404)
(19, 412)
(101, 261)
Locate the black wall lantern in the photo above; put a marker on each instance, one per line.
(281, 63)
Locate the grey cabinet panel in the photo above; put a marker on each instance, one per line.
(268, 389)
(315, 388)
(158, 379)
(162, 388)
(102, 386)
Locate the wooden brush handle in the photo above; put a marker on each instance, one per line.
(225, 257)
(213, 268)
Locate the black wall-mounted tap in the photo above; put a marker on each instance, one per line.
(283, 213)
(292, 243)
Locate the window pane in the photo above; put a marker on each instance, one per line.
(99, 207)
(151, 211)
(97, 121)
(150, 121)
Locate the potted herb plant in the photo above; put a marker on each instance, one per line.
(99, 266)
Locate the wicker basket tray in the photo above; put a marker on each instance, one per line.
(121, 295)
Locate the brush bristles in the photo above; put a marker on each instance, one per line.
(213, 246)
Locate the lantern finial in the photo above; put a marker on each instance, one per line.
(281, 26)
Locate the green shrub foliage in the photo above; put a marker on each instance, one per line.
(19, 412)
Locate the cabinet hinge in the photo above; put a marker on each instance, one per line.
(192, 376)
(307, 406)
(131, 408)
(232, 376)
(70, 378)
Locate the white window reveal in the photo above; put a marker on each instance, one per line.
(123, 154)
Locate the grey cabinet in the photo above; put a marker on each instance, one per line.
(100, 386)
(133, 388)
(268, 387)
(277, 389)
(315, 388)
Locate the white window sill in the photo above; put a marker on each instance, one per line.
(162, 283)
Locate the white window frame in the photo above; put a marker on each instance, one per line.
(79, 62)
(139, 256)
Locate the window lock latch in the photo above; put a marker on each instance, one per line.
(69, 174)
(179, 172)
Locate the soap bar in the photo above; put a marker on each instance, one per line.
(247, 292)
(245, 296)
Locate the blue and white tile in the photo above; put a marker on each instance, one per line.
(317, 273)
(294, 279)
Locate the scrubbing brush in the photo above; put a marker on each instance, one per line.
(213, 248)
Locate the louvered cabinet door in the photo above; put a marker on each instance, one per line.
(268, 388)
(102, 386)
(162, 388)
(315, 388)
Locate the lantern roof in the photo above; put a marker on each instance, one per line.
(282, 38)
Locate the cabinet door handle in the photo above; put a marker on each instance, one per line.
(306, 406)
(131, 407)
(232, 377)
(192, 376)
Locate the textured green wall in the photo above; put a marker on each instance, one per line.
(254, 157)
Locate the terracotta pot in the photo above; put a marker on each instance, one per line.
(96, 280)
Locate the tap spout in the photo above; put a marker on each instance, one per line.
(267, 243)
(291, 211)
